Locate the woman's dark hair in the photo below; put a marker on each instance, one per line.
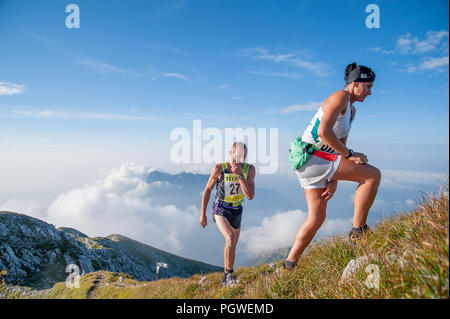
(358, 73)
(349, 68)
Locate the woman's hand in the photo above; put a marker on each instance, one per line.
(330, 190)
(203, 220)
(359, 158)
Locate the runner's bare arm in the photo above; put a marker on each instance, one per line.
(215, 175)
(248, 186)
(332, 107)
(335, 181)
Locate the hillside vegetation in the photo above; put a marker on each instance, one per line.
(411, 251)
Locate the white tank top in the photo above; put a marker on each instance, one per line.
(341, 129)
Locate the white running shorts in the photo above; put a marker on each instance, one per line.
(317, 172)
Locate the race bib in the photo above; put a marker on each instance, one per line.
(233, 189)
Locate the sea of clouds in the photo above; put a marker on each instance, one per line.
(121, 201)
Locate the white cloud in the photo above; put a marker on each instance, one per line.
(279, 231)
(387, 52)
(167, 47)
(433, 63)
(43, 113)
(98, 66)
(104, 68)
(432, 41)
(295, 59)
(435, 45)
(411, 68)
(176, 50)
(7, 88)
(376, 49)
(429, 64)
(381, 50)
(223, 86)
(177, 75)
(407, 178)
(435, 40)
(121, 202)
(24, 207)
(311, 106)
(198, 169)
(405, 43)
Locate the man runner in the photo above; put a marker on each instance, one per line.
(234, 180)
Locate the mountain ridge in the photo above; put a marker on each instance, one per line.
(36, 254)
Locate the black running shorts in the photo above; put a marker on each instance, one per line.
(233, 216)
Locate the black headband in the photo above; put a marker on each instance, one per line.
(360, 75)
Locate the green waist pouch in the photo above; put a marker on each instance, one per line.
(299, 152)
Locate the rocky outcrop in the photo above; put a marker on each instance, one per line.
(36, 254)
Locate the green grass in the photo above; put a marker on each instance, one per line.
(411, 251)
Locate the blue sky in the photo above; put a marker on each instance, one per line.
(183, 60)
(134, 71)
(73, 101)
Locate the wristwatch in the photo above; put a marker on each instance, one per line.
(350, 154)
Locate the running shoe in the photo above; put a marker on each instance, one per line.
(356, 233)
(229, 280)
(287, 265)
(285, 268)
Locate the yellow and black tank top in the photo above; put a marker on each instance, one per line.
(228, 188)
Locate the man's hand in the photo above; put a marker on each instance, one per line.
(235, 168)
(203, 221)
(330, 190)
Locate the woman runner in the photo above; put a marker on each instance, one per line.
(334, 161)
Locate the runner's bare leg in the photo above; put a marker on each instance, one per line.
(317, 207)
(231, 236)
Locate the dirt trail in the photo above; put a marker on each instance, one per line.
(97, 283)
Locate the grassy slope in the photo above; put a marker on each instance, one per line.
(411, 251)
